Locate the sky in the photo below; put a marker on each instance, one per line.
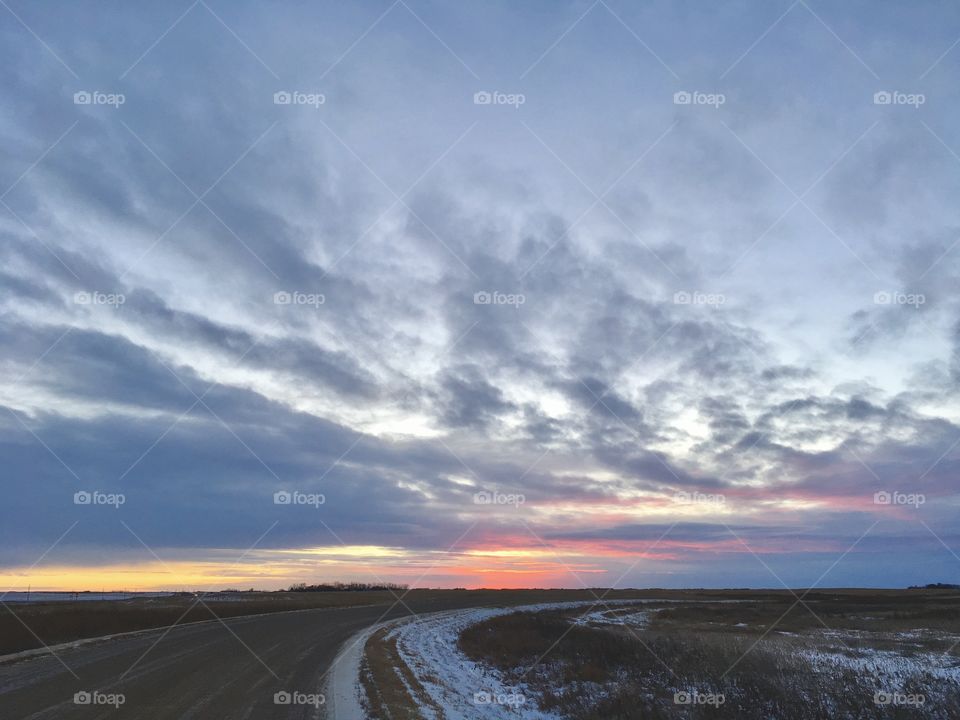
(543, 294)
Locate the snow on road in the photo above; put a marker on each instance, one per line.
(342, 690)
(464, 689)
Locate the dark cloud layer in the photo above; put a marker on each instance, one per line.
(602, 301)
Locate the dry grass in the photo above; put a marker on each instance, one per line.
(613, 672)
(387, 682)
(58, 622)
(887, 611)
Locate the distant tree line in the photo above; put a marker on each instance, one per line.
(342, 587)
(935, 586)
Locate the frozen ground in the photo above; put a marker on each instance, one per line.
(890, 668)
(342, 690)
(614, 617)
(464, 689)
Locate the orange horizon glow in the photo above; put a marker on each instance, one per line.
(503, 562)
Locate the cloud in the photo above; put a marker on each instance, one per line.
(302, 286)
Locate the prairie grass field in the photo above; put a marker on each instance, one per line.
(841, 654)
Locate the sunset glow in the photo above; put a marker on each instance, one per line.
(521, 301)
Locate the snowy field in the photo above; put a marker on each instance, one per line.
(890, 668)
(436, 674)
(464, 689)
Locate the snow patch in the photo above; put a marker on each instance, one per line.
(464, 689)
(343, 691)
(887, 666)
